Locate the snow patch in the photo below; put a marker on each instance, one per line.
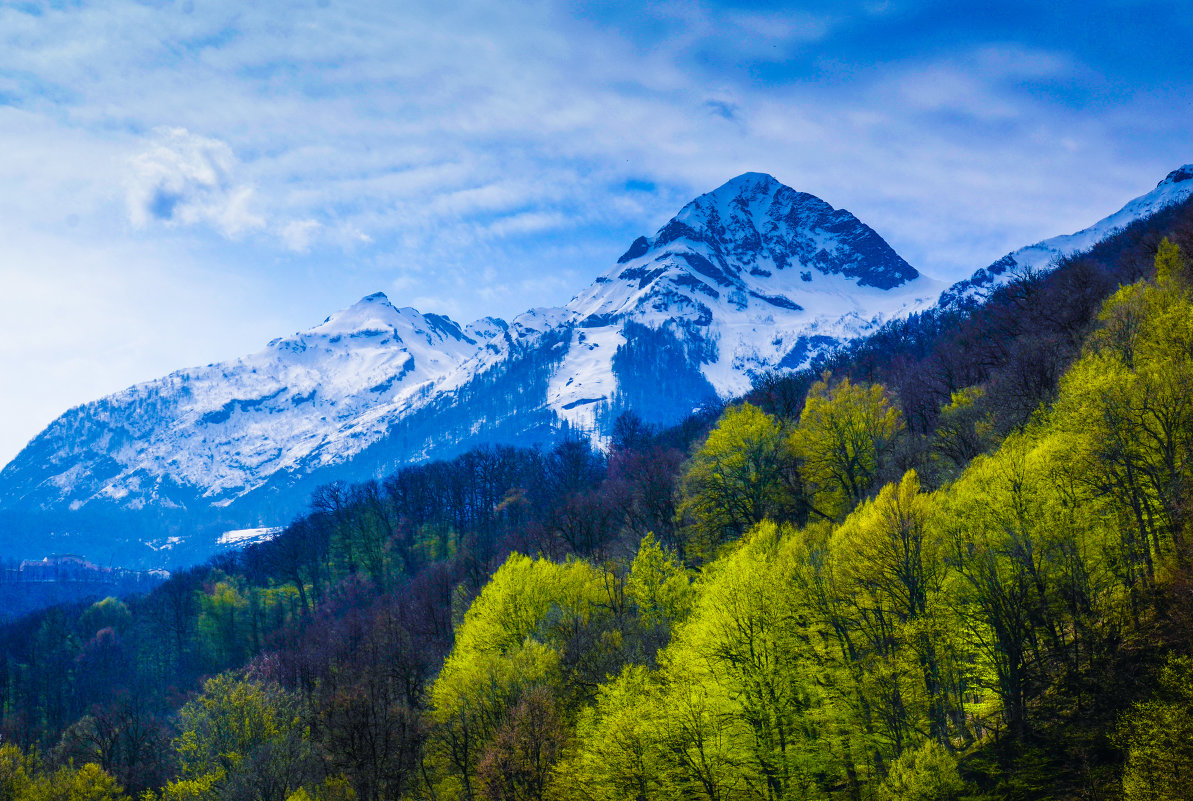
(585, 380)
(247, 536)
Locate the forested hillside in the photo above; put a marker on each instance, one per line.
(952, 562)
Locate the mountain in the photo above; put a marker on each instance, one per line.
(1176, 187)
(750, 277)
(192, 442)
(307, 399)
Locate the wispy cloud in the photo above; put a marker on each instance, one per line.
(297, 234)
(186, 179)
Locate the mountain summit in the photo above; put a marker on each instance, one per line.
(758, 242)
(207, 435)
(758, 225)
(751, 276)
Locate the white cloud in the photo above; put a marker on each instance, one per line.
(182, 178)
(297, 234)
(529, 222)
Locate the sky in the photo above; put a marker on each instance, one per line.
(181, 182)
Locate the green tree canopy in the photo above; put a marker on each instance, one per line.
(842, 435)
(739, 477)
(244, 739)
(1158, 735)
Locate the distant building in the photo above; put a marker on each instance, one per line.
(64, 567)
(70, 567)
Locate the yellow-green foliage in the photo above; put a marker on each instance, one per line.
(87, 783)
(201, 788)
(733, 709)
(223, 619)
(241, 738)
(734, 480)
(508, 644)
(20, 780)
(738, 677)
(1172, 269)
(519, 599)
(16, 770)
(885, 578)
(620, 753)
(232, 614)
(886, 555)
(1158, 735)
(658, 585)
(1127, 410)
(1031, 556)
(842, 433)
(964, 430)
(108, 613)
(926, 773)
(332, 789)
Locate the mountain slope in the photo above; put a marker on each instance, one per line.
(308, 399)
(1176, 187)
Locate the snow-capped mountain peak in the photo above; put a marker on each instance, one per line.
(761, 226)
(755, 223)
(311, 398)
(374, 316)
(750, 276)
(485, 328)
(1177, 176)
(372, 312)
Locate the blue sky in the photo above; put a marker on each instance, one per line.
(182, 181)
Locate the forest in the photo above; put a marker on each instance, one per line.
(953, 561)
